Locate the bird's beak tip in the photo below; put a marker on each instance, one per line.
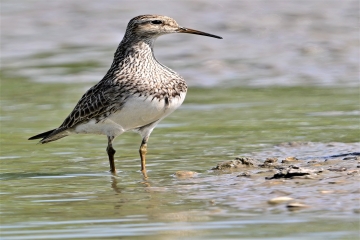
(192, 31)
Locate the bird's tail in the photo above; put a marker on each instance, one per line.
(48, 136)
(42, 135)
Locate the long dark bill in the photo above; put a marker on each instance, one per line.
(192, 31)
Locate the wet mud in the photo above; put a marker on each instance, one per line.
(301, 181)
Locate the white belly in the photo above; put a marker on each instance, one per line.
(135, 113)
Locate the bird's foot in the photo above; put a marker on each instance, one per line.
(144, 173)
(113, 172)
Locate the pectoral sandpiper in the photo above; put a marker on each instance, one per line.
(136, 93)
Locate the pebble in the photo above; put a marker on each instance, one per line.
(244, 174)
(295, 205)
(289, 160)
(278, 200)
(185, 174)
(326, 191)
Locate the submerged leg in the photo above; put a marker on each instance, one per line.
(111, 152)
(143, 151)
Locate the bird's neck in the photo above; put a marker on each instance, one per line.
(135, 47)
(135, 56)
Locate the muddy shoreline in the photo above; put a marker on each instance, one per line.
(296, 182)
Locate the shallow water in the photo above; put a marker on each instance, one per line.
(52, 51)
(64, 190)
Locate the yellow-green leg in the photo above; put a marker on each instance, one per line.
(143, 151)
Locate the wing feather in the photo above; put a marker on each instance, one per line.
(97, 103)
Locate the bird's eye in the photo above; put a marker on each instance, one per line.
(156, 22)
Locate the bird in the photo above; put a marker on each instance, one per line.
(136, 93)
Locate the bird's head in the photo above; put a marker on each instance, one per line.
(152, 26)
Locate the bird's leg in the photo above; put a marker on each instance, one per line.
(111, 152)
(143, 151)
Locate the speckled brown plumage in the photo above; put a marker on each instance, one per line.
(136, 81)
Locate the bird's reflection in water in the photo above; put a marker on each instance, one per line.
(115, 177)
(114, 183)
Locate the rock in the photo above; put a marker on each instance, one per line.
(226, 165)
(271, 160)
(278, 200)
(247, 161)
(240, 162)
(269, 163)
(292, 171)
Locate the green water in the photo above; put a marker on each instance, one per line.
(64, 190)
